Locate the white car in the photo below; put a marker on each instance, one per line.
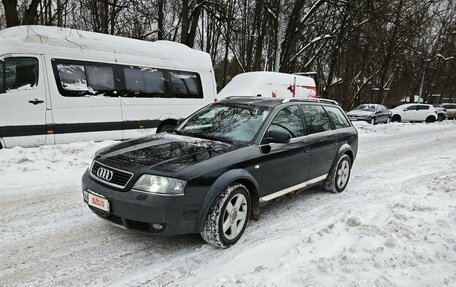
(414, 113)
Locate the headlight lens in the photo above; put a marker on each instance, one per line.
(160, 184)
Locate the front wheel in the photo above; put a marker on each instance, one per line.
(372, 121)
(227, 217)
(338, 177)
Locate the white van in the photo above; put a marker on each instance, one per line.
(269, 84)
(62, 85)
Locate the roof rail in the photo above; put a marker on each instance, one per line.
(287, 100)
(241, 97)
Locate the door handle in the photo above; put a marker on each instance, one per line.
(36, 101)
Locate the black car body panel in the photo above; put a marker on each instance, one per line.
(207, 166)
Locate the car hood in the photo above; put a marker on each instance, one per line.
(163, 154)
(359, 113)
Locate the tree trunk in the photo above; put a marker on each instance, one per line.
(11, 14)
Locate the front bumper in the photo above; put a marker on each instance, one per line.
(142, 211)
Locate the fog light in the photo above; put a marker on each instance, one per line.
(157, 226)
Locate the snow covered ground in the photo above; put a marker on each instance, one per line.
(395, 225)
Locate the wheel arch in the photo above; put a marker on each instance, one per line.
(345, 149)
(232, 176)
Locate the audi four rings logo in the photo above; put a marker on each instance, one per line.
(104, 174)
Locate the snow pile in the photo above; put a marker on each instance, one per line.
(45, 166)
(367, 130)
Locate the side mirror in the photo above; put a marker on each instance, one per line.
(378, 112)
(278, 137)
(405, 110)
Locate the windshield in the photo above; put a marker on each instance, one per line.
(367, 108)
(230, 123)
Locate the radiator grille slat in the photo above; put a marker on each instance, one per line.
(119, 178)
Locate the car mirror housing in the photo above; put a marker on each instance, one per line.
(278, 137)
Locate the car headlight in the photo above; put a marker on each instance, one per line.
(160, 184)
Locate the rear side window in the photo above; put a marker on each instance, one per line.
(144, 81)
(19, 74)
(412, 108)
(423, 108)
(337, 117)
(185, 84)
(288, 120)
(317, 119)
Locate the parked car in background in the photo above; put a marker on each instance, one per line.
(269, 84)
(441, 113)
(371, 113)
(450, 109)
(213, 171)
(414, 113)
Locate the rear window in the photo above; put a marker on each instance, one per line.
(337, 117)
(317, 119)
(18, 74)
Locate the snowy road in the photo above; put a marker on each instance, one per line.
(394, 226)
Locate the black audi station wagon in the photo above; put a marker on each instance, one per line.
(211, 174)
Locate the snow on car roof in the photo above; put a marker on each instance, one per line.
(62, 42)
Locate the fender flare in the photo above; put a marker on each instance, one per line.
(220, 183)
(344, 149)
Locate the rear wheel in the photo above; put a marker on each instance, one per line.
(227, 217)
(396, 118)
(430, 119)
(387, 120)
(338, 178)
(166, 127)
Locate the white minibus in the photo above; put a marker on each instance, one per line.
(60, 85)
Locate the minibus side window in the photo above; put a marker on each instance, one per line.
(85, 78)
(186, 85)
(144, 82)
(20, 74)
(2, 77)
(72, 77)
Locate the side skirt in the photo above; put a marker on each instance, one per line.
(293, 188)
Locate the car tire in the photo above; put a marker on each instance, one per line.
(396, 118)
(339, 175)
(430, 119)
(387, 120)
(372, 121)
(227, 217)
(440, 118)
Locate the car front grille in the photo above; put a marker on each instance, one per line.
(109, 175)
